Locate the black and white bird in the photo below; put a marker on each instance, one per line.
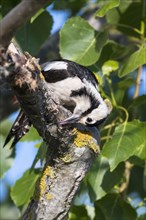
(77, 88)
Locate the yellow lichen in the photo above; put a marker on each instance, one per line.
(41, 76)
(66, 158)
(83, 139)
(49, 196)
(47, 172)
(42, 185)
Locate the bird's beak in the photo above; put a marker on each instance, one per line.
(71, 120)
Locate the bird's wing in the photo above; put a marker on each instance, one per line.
(20, 127)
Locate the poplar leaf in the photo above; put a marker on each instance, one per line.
(78, 42)
(135, 60)
(113, 207)
(129, 139)
(23, 189)
(106, 7)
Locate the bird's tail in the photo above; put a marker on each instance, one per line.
(20, 127)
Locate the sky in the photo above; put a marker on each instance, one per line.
(142, 89)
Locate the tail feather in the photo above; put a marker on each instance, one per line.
(20, 127)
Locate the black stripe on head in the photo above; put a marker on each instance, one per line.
(83, 92)
(79, 92)
(93, 106)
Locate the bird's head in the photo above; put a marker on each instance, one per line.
(94, 118)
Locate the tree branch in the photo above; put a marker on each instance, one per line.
(136, 92)
(128, 165)
(70, 150)
(17, 17)
(124, 186)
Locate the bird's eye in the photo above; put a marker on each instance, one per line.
(89, 120)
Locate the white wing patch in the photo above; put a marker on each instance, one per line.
(56, 65)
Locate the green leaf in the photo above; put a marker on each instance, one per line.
(78, 212)
(126, 83)
(5, 126)
(140, 151)
(135, 185)
(115, 14)
(8, 212)
(5, 160)
(106, 7)
(137, 107)
(109, 66)
(138, 101)
(7, 6)
(40, 154)
(32, 35)
(129, 139)
(120, 88)
(127, 17)
(99, 176)
(141, 217)
(135, 60)
(32, 135)
(113, 51)
(144, 178)
(113, 207)
(78, 42)
(23, 189)
(37, 14)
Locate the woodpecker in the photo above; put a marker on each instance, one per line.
(77, 89)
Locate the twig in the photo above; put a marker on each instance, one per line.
(136, 92)
(17, 17)
(124, 186)
(128, 165)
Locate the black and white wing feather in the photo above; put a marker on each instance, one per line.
(62, 69)
(20, 127)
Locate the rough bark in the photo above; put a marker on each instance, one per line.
(70, 150)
